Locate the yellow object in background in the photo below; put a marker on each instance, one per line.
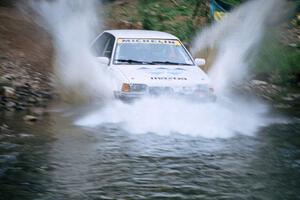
(219, 15)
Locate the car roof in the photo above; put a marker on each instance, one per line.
(123, 33)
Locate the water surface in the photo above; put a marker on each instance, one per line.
(53, 159)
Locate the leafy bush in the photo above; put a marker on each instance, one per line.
(167, 16)
(7, 3)
(278, 62)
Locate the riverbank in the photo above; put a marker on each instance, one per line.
(25, 64)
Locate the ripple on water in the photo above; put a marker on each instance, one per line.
(108, 163)
(8, 158)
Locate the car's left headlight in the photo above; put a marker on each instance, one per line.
(126, 87)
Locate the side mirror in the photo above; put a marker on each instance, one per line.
(200, 61)
(103, 60)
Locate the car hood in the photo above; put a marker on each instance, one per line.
(168, 75)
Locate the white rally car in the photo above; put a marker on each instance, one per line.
(151, 63)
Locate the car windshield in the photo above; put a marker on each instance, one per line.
(151, 51)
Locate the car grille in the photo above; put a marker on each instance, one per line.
(168, 78)
(160, 90)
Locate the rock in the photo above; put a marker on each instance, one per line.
(24, 135)
(4, 81)
(32, 100)
(22, 55)
(8, 92)
(37, 111)
(258, 82)
(4, 128)
(295, 96)
(10, 109)
(3, 56)
(17, 84)
(139, 24)
(8, 77)
(27, 85)
(288, 98)
(45, 94)
(35, 85)
(121, 3)
(263, 89)
(153, 13)
(258, 186)
(30, 118)
(20, 107)
(291, 97)
(10, 104)
(293, 45)
(266, 97)
(284, 106)
(275, 87)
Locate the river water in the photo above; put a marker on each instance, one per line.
(54, 159)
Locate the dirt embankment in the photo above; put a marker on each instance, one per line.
(25, 62)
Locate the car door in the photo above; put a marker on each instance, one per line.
(103, 47)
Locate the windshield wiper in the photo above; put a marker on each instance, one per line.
(168, 63)
(130, 61)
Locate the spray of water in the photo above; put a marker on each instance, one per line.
(72, 25)
(165, 116)
(236, 38)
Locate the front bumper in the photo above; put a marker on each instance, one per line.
(131, 96)
(128, 96)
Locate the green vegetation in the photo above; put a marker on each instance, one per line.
(279, 63)
(279, 57)
(178, 17)
(232, 2)
(7, 3)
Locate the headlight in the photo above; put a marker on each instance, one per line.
(205, 88)
(134, 87)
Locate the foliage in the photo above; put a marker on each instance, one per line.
(278, 62)
(176, 17)
(232, 2)
(7, 3)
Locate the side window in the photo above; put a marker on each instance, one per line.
(103, 46)
(99, 44)
(109, 46)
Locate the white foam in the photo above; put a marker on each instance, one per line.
(165, 116)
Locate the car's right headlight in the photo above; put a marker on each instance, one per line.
(205, 88)
(134, 87)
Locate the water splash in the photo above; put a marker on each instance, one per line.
(165, 116)
(72, 25)
(235, 40)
